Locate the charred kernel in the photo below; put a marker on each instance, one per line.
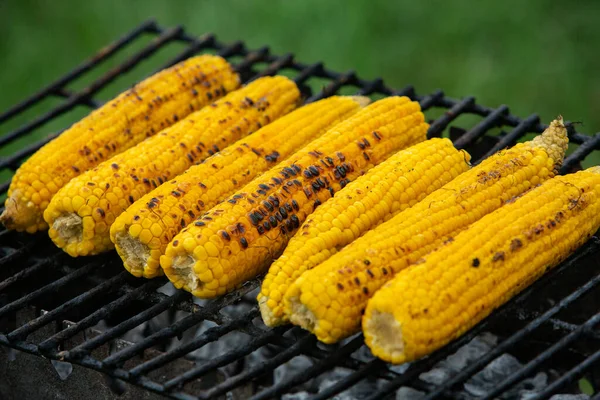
(340, 286)
(366, 156)
(288, 208)
(516, 244)
(289, 225)
(191, 213)
(295, 205)
(283, 212)
(313, 170)
(114, 166)
(101, 212)
(267, 205)
(232, 201)
(376, 135)
(315, 186)
(274, 200)
(384, 270)
(244, 243)
(475, 262)
(367, 262)
(199, 223)
(357, 281)
(276, 180)
(307, 192)
(136, 217)
(340, 156)
(263, 186)
(225, 235)
(316, 204)
(260, 229)
(175, 193)
(282, 229)
(278, 217)
(273, 157)
(365, 290)
(267, 225)
(370, 273)
(307, 174)
(182, 223)
(360, 145)
(262, 191)
(295, 220)
(297, 182)
(273, 221)
(331, 191)
(499, 256)
(146, 181)
(256, 151)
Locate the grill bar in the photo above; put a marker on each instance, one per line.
(97, 59)
(260, 63)
(92, 319)
(93, 88)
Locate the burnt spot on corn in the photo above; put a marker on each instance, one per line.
(175, 243)
(515, 244)
(357, 281)
(370, 273)
(366, 156)
(136, 217)
(182, 223)
(340, 286)
(199, 223)
(295, 205)
(376, 135)
(225, 235)
(75, 168)
(367, 262)
(316, 204)
(131, 199)
(498, 256)
(101, 212)
(365, 290)
(273, 157)
(244, 243)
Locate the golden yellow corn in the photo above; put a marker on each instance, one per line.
(140, 112)
(455, 287)
(173, 205)
(237, 239)
(399, 182)
(82, 212)
(330, 299)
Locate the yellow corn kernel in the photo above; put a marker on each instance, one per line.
(140, 112)
(427, 305)
(262, 216)
(414, 172)
(202, 186)
(362, 267)
(123, 179)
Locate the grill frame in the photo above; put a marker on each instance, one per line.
(16, 248)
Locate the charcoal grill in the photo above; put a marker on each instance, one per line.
(51, 305)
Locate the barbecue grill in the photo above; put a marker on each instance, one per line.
(79, 315)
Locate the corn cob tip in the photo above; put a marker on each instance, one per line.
(554, 140)
(20, 214)
(134, 253)
(69, 227)
(300, 314)
(267, 314)
(362, 101)
(384, 336)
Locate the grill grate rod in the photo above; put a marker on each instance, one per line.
(92, 62)
(95, 317)
(156, 44)
(545, 356)
(104, 288)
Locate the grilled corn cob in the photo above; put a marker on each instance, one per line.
(237, 239)
(455, 287)
(329, 299)
(394, 185)
(173, 205)
(82, 212)
(136, 114)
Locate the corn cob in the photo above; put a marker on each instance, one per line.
(136, 114)
(202, 186)
(82, 212)
(394, 185)
(455, 287)
(329, 299)
(237, 239)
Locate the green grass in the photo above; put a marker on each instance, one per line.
(535, 56)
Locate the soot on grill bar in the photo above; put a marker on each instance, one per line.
(86, 326)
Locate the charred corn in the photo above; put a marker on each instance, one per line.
(142, 111)
(173, 205)
(394, 185)
(81, 213)
(455, 287)
(329, 300)
(237, 239)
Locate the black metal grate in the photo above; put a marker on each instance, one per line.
(553, 325)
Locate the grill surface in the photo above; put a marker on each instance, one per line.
(551, 326)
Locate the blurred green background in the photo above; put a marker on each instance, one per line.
(535, 56)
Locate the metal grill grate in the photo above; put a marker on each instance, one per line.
(552, 326)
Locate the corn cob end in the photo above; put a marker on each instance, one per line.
(68, 229)
(135, 255)
(301, 315)
(21, 214)
(383, 335)
(267, 313)
(362, 101)
(554, 140)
